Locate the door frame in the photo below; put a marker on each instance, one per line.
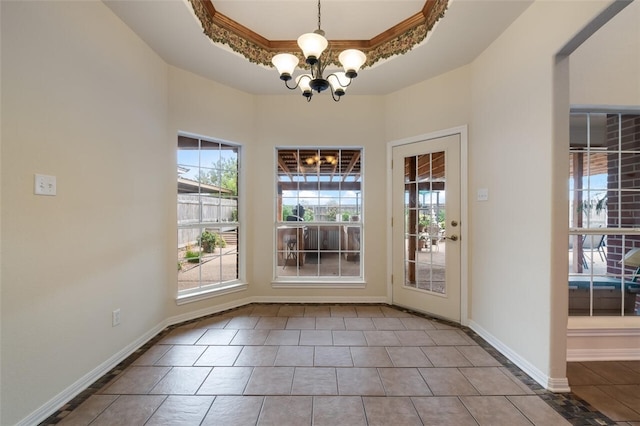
(464, 211)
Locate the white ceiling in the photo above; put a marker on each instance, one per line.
(172, 30)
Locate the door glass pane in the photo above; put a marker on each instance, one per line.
(424, 177)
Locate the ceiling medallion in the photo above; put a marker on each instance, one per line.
(395, 41)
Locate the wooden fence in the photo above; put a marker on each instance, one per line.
(195, 209)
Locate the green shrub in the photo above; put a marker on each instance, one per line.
(192, 256)
(210, 240)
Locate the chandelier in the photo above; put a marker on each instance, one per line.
(312, 46)
(317, 160)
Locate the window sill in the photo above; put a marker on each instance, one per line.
(183, 299)
(318, 284)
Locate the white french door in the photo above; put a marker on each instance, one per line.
(426, 226)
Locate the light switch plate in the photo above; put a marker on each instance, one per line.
(44, 185)
(483, 194)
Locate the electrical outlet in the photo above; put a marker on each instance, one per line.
(115, 317)
(44, 185)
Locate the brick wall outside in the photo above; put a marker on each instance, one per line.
(623, 206)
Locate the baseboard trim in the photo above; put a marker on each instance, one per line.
(552, 384)
(320, 299)
(603, 344)
(85, 381)
(208, 311)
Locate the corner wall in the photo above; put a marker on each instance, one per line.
(260, 124)
(206, 108)
(288, 120)
(604, 74)
(519, 295)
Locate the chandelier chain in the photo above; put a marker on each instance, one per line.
(319, 15)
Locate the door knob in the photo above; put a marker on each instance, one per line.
(453, 238)
(454, 223)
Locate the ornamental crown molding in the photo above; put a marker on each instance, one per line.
(397, 40)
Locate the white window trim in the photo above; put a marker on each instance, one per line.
(595, 322)
(324, 282)
(221, 289)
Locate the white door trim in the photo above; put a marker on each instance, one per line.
(464, 211)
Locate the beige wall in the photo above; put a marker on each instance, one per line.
(206, 108)
(605, 70)
(261, 124)
(513, 152)
(432, 105)
(83, 99)
(290, 121)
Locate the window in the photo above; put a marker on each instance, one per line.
(318, 231)
(208, 226)
(604, 217)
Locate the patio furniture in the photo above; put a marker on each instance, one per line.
(632, 258)
(597, 242)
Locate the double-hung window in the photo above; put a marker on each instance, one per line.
(319, 217)
(208, 226)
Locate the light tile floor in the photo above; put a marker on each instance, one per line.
(277, 364)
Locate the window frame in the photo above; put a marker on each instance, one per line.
(589, 230)
(317, 280)
(205, 289)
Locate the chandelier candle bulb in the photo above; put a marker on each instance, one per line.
(336, 81)
(312, 45)
(352, 60)
(303, 81)
(285, 63)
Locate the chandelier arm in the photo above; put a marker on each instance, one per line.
(286, 83)
(337, 99)
(304, 76)
(336, 76)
